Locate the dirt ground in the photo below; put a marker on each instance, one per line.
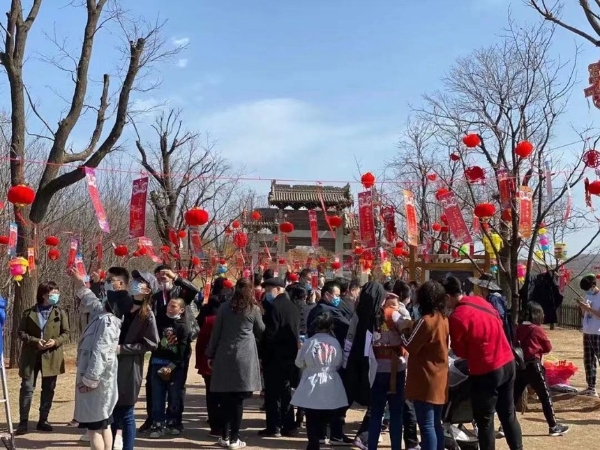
(583, 414)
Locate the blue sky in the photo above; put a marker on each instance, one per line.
(298, 89)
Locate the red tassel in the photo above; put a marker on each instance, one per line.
(588, 196)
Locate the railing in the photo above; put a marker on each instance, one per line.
(569, 316)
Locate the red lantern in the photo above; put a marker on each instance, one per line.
(444, 229)
(336, 265)
(594, 187)
(432, 177)
(454, 157)
(195, 217)
(293, 277)
(444, 248)
(256, 215)
(236, 224)
(286, 227)
(121, 251)
(136, 254)
(397, 252)
(222, 261)
(181, 234)
(21, 195)
(524, 149)
(240, 239)
(441, 192)
(591, 158)
(195, 261)
(358, 251)
(471, 140)
(444, 219)
(322, 260)
(281, 261)
(4, 240)
(436, 227)
(474, 174)
(368, 180)
(400, 244)
(52, 241)
(485, 210)
(165, 249)
(334, 221)
(228, 231)
(506, 215)
(228, 284)
(406, 253)
(142, 251)
(53, 254)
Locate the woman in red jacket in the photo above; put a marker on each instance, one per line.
(534, 342)
(206, 322)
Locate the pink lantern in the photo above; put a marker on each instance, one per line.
(18, 267)
(521, 271)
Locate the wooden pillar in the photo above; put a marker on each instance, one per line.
(339, 246)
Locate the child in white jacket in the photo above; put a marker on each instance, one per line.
(321, 390)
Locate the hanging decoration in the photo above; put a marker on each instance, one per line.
(368, 180)
(236, 224)
(314, 229)
(436, 227)
(525, 211)
(20, 195)
(4, 240)
(13, 230)
(474, 174)
(591, 159)
(121, 251)
(544, 239)
(492, 244)
(523, 149)
(335, 222)
(52, 241)
(454, 157)
(455, 218)
(506, 188)
(388, 214)
(432, 176)
(286, 227)
(90, 177)
(366, 220)
(18, 267)
(506, 215)
(412, 230)
(53, 254)
(256, 216)
(31, 258)
(592, 188)
(240, 239)
(560, 250)
(471, 140)
(195, 217)
(137, 208)
(441, 192)
(484, 211)
(521, 272)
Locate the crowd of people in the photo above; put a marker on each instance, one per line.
(311, 349)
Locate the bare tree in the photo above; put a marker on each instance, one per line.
(507, 93)
(144, 47)
(552, 12)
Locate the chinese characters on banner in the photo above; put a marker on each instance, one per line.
(366, 220)
(505, 188)
(412, 229)
(388, 214)
(31, 258)
(456, 221)
(90, 177)
(196, 241)
(314, 231)
(525, 211)
(137, 208)
(12, 239)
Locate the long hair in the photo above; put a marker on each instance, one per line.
(243, 296)
(145, 308)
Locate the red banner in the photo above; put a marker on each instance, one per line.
(366, 220)
(412, 228)
(525, 211)
(505, 188)
(147, 243)
(13, 234)
(137, 208)
(90, 177)
(314, 230)
(73, 247)
(196, 242)
(456, 221)
(31, 258)
(388, 214)
(476, 225)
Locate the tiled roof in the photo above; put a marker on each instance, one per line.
(269, 219)
(285, 195)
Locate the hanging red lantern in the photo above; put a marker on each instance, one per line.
(228, 231)
(236, 224)
(222, 261)
(444, 248)
(454, 157)
(397, 252)
(322, 260)
(256, 215)
(240, 239)
(4, 240)
(121, 251)
(524, 149)
(195, 261)
(405, 253)
(358, 251)
(484, 210)
(436, 227)
(136, 254)
(400, 244)
(471, 140)
(181, 234)
(368, 256)
(228, 284)
(143, 251)
(165, 249)
(441, 192)
(444, 229)
(195, 217)
(444, 219)
(432, 177)
(368, 180)
(286, 227)
(334, 221)
(53, 254)
(336, 265)
(293, 277)
(594, 187)
(474, 174)
(21, 195)
(52, 241)
(281, 261)
(591, 158)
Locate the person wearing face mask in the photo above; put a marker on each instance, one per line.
(96, 383)
(43, 329)
(591, 332)
(171, 286)
(279, 347)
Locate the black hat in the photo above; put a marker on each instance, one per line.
(273, 282)
(486, 281)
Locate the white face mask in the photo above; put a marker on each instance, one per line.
(177, 316)
(167, 285)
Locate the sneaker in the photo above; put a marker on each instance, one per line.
(156, 432)
(589, 392)
(179, 426)
(270, 433)
(558, 430)
(290, 433)
(145, 426)
(118, 442)
(22, 428)
(500, 433)
(84, 437)
(358, 443)
(173, 431)
(43, 425)
(73, 423)
(324, 441)
(343, 441)
(223, 442)
(237, 444)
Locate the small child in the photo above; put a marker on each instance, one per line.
(534, 342)
(167, 368)
(321, 390)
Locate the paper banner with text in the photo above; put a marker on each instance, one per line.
(137, 208)
(314, 231)
(505, 188)
(366, 220)
(388, 214)
(525, 211)
(13, 231)
(196, 242)
(90, 177)
(454, 216)
(412, 227)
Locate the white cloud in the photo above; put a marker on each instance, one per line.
(183, 62)
(285, 138)
(180, 42)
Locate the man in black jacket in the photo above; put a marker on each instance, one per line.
(280, 345)
(172, 286)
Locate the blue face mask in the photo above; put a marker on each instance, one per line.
(336, 301)
(269, 297)
(308, 286)
(135, 288)
(590, 292)
(53, 298)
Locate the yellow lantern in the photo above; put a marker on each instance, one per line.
(386, 268)
(493, 244)
(18, 267)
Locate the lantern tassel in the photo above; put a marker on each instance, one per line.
(588, 196)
